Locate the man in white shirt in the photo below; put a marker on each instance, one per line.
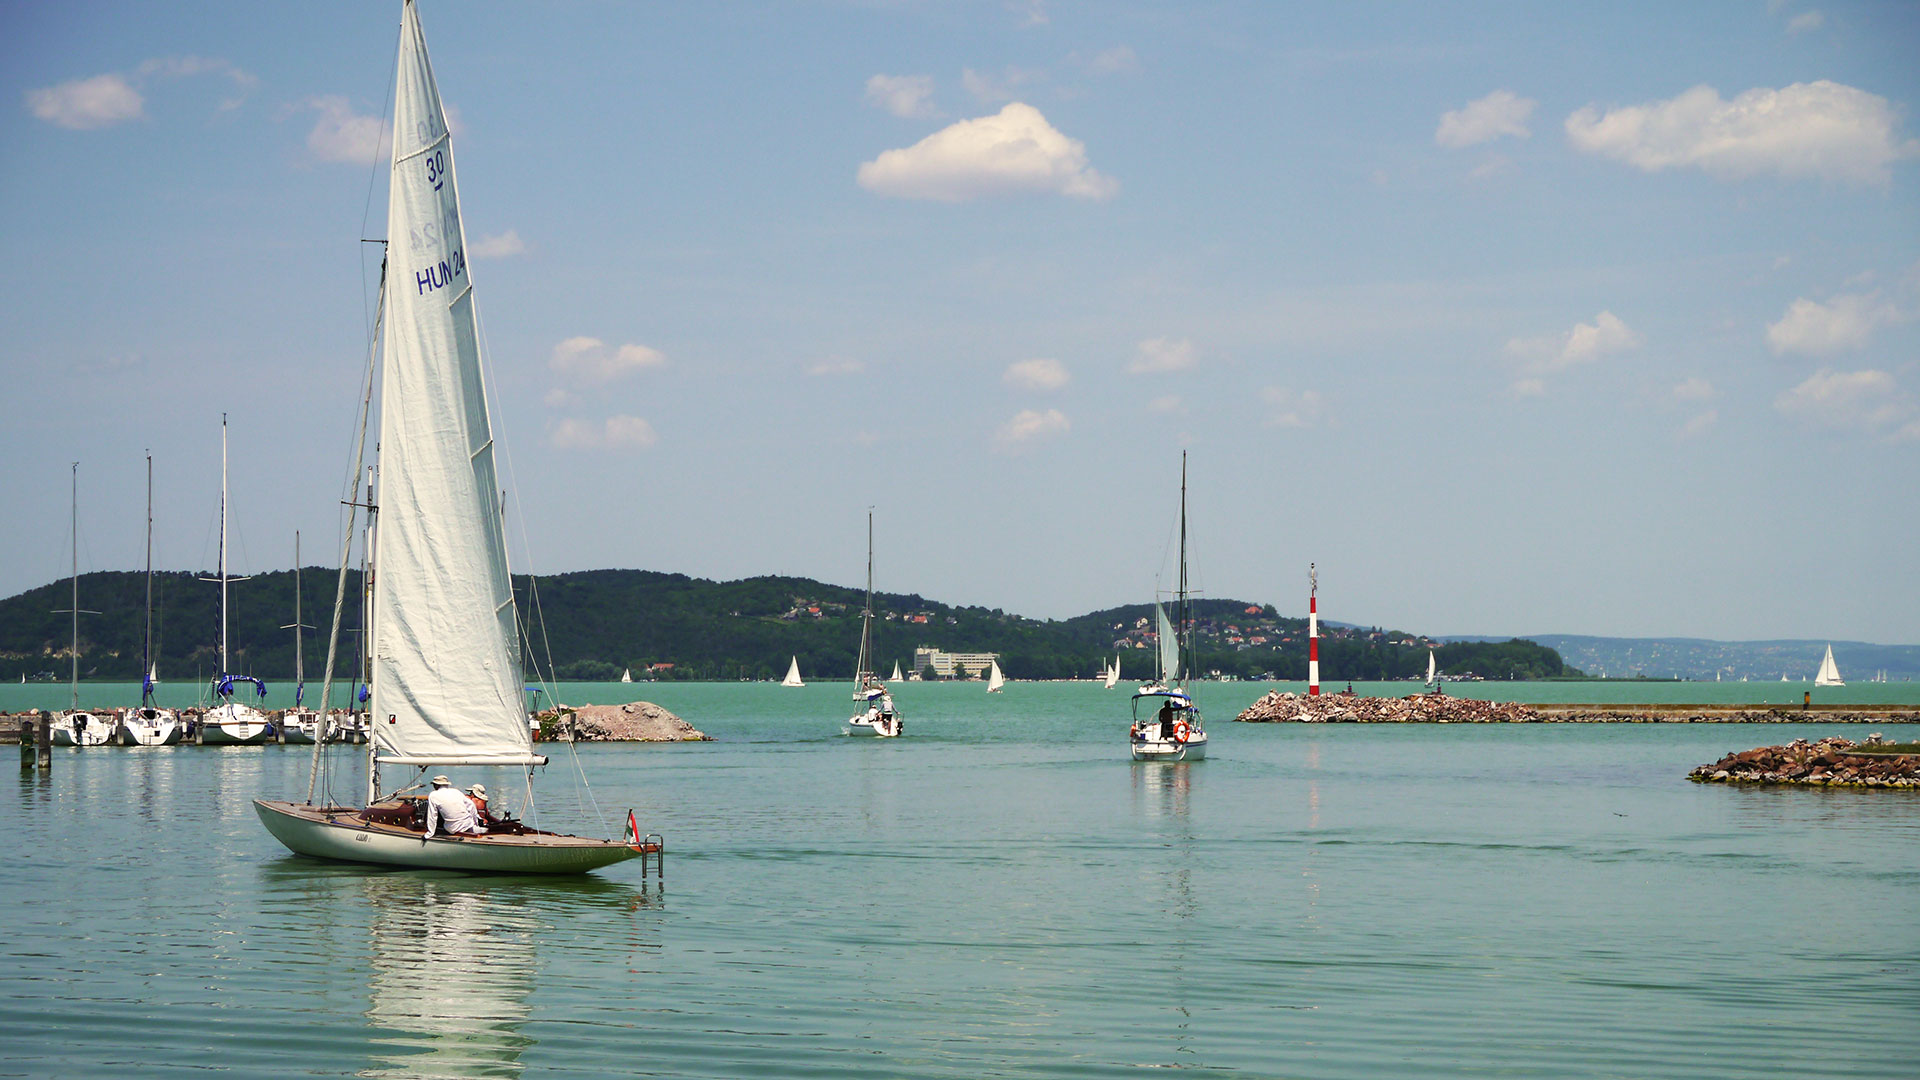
(449, 810)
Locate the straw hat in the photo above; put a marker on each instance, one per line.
(478, 791)
(441, 781)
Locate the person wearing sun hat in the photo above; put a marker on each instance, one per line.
(450, 811)
(477, 794)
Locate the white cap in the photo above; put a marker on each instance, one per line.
(441, 781)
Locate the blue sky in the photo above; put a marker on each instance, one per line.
(1513, 318)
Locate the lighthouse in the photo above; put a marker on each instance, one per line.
(1313, 631)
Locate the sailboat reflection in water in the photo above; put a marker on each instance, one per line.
(452, 974)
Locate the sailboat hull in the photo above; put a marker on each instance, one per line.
(97, 731)
(860, 725)
(235, 725)
(1168, 750)
(149, 727)
(340, 833)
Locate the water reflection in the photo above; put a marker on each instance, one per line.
(452, 968)
(1161, 790)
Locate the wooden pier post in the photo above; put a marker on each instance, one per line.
(27, 752)
(43, 743)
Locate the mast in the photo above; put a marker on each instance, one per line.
(223, 545)
(74, 525)
(866, 614)
(146, 640)
(1182, 634)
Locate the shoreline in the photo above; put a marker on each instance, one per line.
(1277, 707)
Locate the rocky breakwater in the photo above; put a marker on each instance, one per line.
(1276, 707)
(1831, 762)
(639, 721)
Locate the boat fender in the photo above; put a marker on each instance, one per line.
(1180, 730)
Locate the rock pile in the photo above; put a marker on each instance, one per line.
(1827, 763)
(1276, 707)
(639, 721)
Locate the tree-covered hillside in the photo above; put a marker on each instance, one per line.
(595, 623)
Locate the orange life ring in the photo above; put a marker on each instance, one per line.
(1180, 730)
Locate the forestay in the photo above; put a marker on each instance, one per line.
(446, 681)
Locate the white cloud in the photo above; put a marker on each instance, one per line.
(1118, 60)
(1294, 408)
(1585, 342)
(1815, 329)
(1806, 21)
(1529, 388)
(1160, 355)
(591, 360)
(1168, 404)
(101, 101)
(1694, 388)
(615, 433)
(498, 247)
(1862, 401)
(1500, 113)
(1699, 425)
(836, 367)
(1821, 129)
(1012, 152)
(1037, 374)
(906, 96)
(1030, 424)
(342, 135)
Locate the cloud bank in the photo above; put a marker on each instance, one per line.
(1866, 402)
(1846, 322)
(1012, 152)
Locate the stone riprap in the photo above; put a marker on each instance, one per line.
(1277, 707)
(1831, 762)
(639, 721)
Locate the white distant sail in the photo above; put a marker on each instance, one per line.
(995, 680)
(793, 674)
(1113, 673)
(896, 676)
(1829, 674)
(626, 675)
(1433, 673)
(1169, 648)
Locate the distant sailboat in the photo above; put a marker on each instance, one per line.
(149, 725)
(1113, 673)
(793, 674)
(877, 715)
(1829, 674)
(995, 680)
(896, 676)
(1433, 671)
(626, 675)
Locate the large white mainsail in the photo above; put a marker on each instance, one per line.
(1169, 647)
(446, 677)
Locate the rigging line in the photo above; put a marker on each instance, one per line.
(373, 176)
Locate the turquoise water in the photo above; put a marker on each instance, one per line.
(1000, 893)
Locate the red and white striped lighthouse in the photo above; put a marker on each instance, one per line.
(1313, 631)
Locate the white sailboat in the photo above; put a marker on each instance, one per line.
(1113, 674)
(626, 675)
(995, 680)
(148, 724)
(1829, 675)
(230, 723)
(793, 674)
(77, 726)
(1171, 729)
(877, 715)
(302, 725)
(447, 679)
(896, 676)
(1433, 672)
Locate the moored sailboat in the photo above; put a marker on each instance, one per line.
(301, 724)
(77, 726)
(878, 715)
(446, 679)
(1171, 729)
(230, 723)
(147, 724)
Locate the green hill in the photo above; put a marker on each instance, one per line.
(595, 623)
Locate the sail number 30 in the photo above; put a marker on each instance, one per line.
(437, 168)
